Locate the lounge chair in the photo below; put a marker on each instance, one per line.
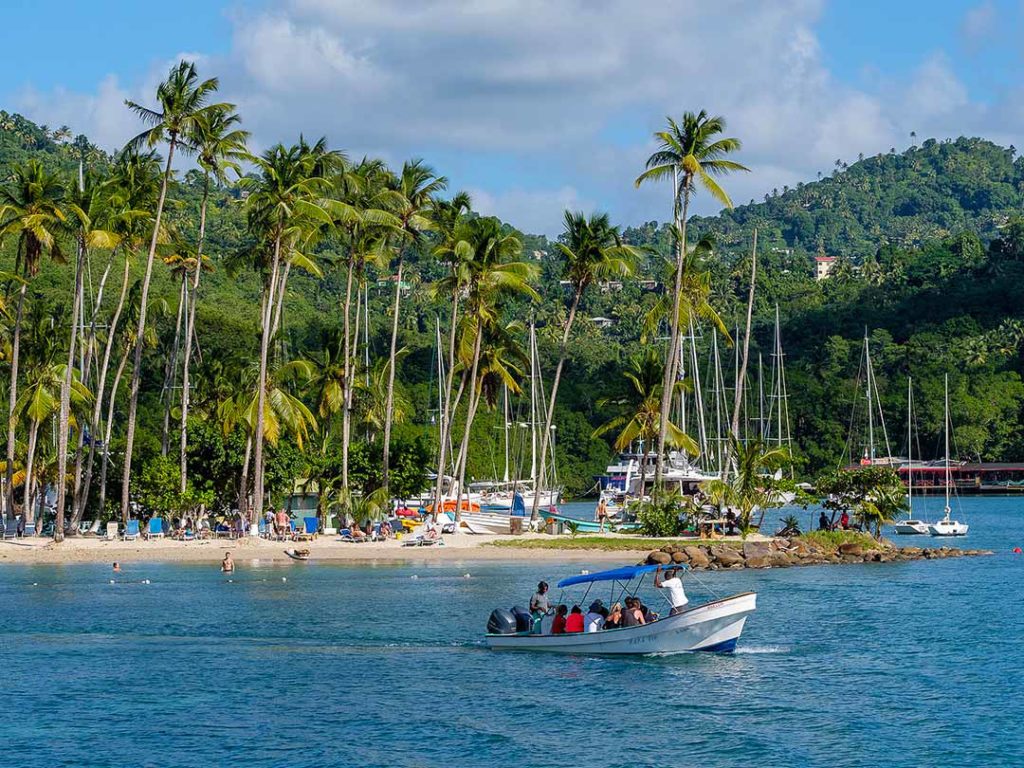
(111, 531)
(156, 528)
(10, 528)
(131, 531)
(309, 532)
(30, 529)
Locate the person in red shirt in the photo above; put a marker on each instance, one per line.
(558, 623)
(574, 623)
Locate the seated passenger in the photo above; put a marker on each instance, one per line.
(614, 618)
(558, 623)
(594, 620)
(632, 615)
(574, 622)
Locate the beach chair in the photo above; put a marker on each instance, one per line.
(309, 531)
(131, 531)
(30, 529)
(156, 528)
(262, 528)
(10, 528)
(111, 531)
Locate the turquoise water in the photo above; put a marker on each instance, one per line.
(899, 664)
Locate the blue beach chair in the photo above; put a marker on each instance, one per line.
(131, 531)
(156, 528)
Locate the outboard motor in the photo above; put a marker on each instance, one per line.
(524, 619)
(502, 622)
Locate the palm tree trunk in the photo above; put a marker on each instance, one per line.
(97, 408)
(171, 368)
(190, 329)
(261, 394)
(110, 427)
(65, 397)
(470, 413)
(133, 400)
(538, 482)
(390, 403)
(673, 353)
(449, 408)
(12, 421)
(29, 507)
(243, 484)
(346, 417)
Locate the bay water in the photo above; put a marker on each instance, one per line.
(315, 664)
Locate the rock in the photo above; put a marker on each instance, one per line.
(910, 551)
(727, 556)
(798, 547)
(756, 549)
(759, 561)
(851, 558)
(780, 560)
(668, 549)
(659, 558)
(851, 548)
(679, 557)
(697, 557)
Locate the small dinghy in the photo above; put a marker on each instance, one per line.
(297, 554)
(714, 626)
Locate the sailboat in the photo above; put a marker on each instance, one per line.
(947, 526)
(910, 526)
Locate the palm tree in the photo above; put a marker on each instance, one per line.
(591, 250)
(640, 420)
(691, 154)
(416, 186)
(32, 209)
(182, 98)
(491, 276)
(219, 146)
(753, 486)
(283, 206)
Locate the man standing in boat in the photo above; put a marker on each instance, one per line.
(540, 605)
(673, 585)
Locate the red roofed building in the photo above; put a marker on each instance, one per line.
(822, 266)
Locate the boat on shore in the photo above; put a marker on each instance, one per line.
(711, 627)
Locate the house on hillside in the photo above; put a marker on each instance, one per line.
(822, 266)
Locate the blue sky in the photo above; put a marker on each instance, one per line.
(535, 106)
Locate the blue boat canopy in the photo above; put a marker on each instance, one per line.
(625, 573)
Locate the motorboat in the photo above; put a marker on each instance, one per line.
(911, 527)
(714, 626)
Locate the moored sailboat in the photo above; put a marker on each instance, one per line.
(947, 526)
(910, 526)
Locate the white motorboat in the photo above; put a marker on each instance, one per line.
(714, 626)
(912, 527)
(947, 526)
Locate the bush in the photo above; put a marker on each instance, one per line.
(661, 516)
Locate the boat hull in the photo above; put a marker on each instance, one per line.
(714, 627)
(912, 528)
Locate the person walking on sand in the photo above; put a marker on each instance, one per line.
(602, 513)
(227, 565)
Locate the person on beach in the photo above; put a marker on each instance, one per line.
(574, 622)
(227, 565)
(558, 623)
(540, 605)
(844, 521)
(824, 524)
(282, 523)
(602, 513)
(673, 586)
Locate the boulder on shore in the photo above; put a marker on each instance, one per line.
(697, 556)
(659, 558)
(679, 557)
(727, 556)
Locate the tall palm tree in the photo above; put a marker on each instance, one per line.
(492, 276)
(591, 250)
(640, 419)
(31, 209)
(417, 185)
(691, 154)
(182, 98)
(220, 147)
(752, 486)
(283, 207)
(447, 216)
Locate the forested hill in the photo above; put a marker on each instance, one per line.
(930, 192)
(931, 251)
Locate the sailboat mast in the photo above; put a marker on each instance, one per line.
(910, 447)
(778, 373)
(760, 396)
(533, 404)
(505, 425)
(948, 476)
(871, 410)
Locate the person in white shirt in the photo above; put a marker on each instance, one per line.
(594, 620)
(673, 585)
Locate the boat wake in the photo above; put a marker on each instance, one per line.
(762, 649)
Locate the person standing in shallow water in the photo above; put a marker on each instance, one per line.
(227, 565)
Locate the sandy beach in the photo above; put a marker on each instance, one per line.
(326, 548)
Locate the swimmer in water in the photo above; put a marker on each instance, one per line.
(117, 567)
(227, 565)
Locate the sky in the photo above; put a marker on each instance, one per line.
(534, 107)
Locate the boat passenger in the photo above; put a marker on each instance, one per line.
(594, 620)
(614, 618)
(574, 622)
(673, 586)
(633, 614)
(558, 623)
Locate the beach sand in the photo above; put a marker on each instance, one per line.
(326, 548)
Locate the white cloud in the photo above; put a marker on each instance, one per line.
(571, 90)
(979, 25)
